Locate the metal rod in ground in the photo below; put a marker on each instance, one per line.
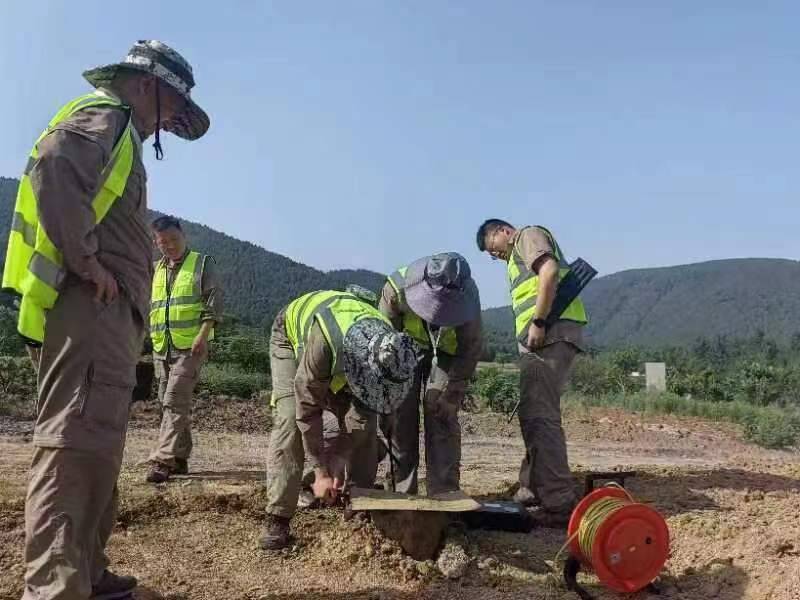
(514, 412)
(391, 455)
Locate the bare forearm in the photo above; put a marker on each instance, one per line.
(205, 329)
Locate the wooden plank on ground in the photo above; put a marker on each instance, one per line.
(457, 501)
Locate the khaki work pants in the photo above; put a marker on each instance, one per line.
(178, 375)
(350, 434)
(86, 376)
(440, 404)
(545, 468)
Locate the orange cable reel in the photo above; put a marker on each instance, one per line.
(624, 542)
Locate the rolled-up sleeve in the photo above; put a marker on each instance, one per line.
(389, 305)
(535, 246)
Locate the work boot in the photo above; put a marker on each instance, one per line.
(113, 587)
(181, 467)
(526, 497)
(276, 534)
(158, 472)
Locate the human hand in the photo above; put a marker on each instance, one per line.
(536, 336)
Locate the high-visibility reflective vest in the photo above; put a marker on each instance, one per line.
(176, 310)
(335, 312)
(524, 285)
(34, 267)
(414, 326)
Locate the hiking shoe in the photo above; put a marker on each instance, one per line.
(526, 497)
(158, 472)
(276, 534)
(306, 499)
(113, 587)
(181, 467)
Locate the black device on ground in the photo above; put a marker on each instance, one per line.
(499, 515)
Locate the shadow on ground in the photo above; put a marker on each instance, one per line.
(222, 476)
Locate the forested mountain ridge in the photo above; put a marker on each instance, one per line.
(736, 298)
(258, 283)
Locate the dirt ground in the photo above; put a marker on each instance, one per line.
(733, 510)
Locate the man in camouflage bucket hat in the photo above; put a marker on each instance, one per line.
(165, 66)
(80, 256)
(329, 351)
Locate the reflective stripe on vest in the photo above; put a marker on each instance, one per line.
(178, 308)
(414, 326)
(34, 267)
(335, 312)
(524, 285)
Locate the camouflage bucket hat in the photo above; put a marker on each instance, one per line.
(379, 364)
(441, 291)
(362, 293)
(158, 59)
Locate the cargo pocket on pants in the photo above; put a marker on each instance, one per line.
(104, 402)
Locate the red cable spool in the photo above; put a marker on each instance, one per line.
(630, 546)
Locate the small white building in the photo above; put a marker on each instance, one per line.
(655, 376)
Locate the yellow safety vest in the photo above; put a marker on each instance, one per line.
(414, 326)
(177, 309)
(335, 312)
(34, 267)
(524, 285)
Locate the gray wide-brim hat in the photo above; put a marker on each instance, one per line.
(156, 58)
(441, 291)
(379, 363)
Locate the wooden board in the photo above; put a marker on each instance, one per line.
(458, 501)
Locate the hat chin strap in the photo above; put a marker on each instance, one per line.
(157, 143)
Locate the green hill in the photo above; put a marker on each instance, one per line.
(677, 305)
(649, 307)
(258, 283)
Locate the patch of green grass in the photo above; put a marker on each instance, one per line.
(17, 387)
(228, 380)
(767, 426)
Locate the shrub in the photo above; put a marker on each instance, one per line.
(249, 352)
(591, 377)
(17, 387)
(11, 343)
(497, 390)
(773, 429)
(228, 380)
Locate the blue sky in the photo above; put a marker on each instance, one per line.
(367, 134)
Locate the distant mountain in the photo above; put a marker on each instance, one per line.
(368, 279)
(678, 305)
(651, 307)
(258, 283)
